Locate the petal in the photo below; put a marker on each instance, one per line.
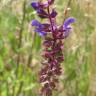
(66, 33)
(35, 23)
(41, 33)
(35, 5)
(44, 5)
(53, 13)
(45, 25)
(68, 21)
(42, 13)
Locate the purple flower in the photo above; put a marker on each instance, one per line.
(35, 5)
(35, 23)
(42, 29)
(39, 27)
(66, 26)
(67, 22)
(39, 5)
(40, 11)
(53, 14)
(42, 14)
(41, 33)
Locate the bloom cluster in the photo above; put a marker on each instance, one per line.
(53, 44)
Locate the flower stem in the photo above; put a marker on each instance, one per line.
(52, 29)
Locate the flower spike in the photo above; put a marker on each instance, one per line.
(53, 45)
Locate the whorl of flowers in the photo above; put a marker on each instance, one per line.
(53, 44)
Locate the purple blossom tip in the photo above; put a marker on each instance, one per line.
(35, 5)
(68, 21)
(53, 14)
(35, 23)
(39, 27)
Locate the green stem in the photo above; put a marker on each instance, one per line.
(31, 54)
(19, 46)
(65, 11)
(7, 86)
(20, 36)
(20, 88)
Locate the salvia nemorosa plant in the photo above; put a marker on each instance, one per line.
(53, 35)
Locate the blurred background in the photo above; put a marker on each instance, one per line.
(21, 48)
